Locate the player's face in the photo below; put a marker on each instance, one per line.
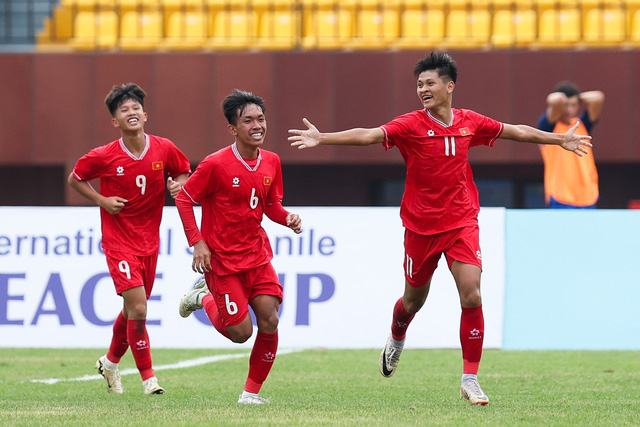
(572, 108)
(432, 90)
(251, 128)
(130, 116)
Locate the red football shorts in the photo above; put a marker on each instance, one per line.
(422, 252)
(233, 292)
(129, 271)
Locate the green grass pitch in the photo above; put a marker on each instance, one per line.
(327, 387)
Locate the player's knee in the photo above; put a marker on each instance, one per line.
(269, 323)
(471, 299)
(240, 336)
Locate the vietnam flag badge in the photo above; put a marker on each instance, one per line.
(157, 166)
(268, 180)
(464, 131)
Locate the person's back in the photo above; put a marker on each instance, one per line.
(570, 181)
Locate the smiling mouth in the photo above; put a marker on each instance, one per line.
(132, 120)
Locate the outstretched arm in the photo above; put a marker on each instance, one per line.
(569, 140)
(312, 137)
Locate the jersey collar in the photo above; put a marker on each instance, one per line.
(234, 148)
(130, 154)
(441, 122)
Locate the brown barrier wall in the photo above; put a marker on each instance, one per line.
(53, 112)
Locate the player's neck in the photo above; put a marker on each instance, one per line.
(442, 113)
(135, 142)
(247, 151)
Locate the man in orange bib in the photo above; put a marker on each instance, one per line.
(570, 181)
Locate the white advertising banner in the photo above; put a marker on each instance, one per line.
(341, 277)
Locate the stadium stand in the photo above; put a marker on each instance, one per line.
(325, 24)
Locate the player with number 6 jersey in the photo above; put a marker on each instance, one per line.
(241, 191)
(131, 171)
(236, 186)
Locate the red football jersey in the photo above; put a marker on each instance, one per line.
(234, 194)
(440, 194)
(135, 229)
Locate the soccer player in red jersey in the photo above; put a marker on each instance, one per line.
(440, 204)
(131, 170)
(236, 186)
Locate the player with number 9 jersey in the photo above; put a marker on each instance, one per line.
(139, 180)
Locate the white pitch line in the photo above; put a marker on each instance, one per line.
(179, 365)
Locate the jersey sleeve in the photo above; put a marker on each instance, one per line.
(588, 124)
(188, 218)
(200, 184)
(177, 162)
(395, 129)
(274, 209)
(544, 123)
(90, 166)
(487, 130)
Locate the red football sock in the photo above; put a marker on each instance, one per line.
(211, 309)
(471, 338)
(139, 339)
(401, 320)
(262, 356)
(119, 343)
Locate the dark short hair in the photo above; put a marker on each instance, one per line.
(568, 88)
(237, 101)
(439, 61)
(121, 93)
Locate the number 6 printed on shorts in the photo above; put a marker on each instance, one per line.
(232, 307)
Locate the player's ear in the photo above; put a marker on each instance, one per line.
(232, 130)
(114, 122)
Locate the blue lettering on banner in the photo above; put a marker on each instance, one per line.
(5, 297)
(87, 301)
(327, 289)
(55, 289)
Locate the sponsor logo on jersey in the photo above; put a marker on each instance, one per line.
(157, 166)
(120, 170)
(268, 180)
(430, 132)
(236, 182)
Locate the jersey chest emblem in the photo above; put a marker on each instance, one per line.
(157, 166)
(235, 182)
(120, 171)
(267, 180)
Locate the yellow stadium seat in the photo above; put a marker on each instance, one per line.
(95, 30)
(468, 28)
(137, 4)
(186, 30)
(375, 28)
(421, 28)
(89, 5)
(278, 29)
(327, 29)
(559, 28)
(141, 30)
(181, 4)
(58, 28)
(604, 27)
(513, 29)
(634, 29)
(233, 29)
